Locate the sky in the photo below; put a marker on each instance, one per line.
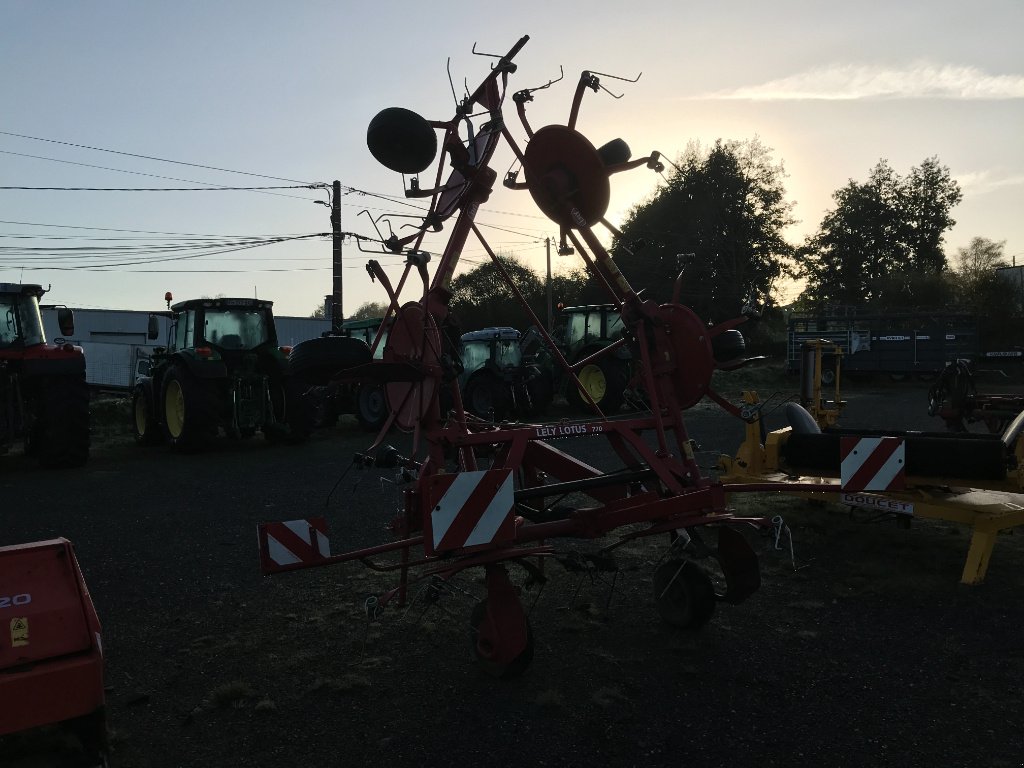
(117, 94)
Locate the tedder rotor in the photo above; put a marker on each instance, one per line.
(480, 494)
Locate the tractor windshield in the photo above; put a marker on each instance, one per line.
(20, 322)
(508, 354)
(236, 328)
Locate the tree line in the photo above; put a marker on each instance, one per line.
(718, 221)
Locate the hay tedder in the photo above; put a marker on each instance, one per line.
(480, 494)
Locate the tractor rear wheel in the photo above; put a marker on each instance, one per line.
(188, 410)
(61, 434)
(605, 381)
(147, 428)
(684, 594)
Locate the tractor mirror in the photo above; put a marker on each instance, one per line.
(154, 329)
(66, 321)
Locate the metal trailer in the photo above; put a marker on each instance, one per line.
(475, 494)
(898, 344)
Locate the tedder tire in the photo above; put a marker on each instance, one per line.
(512, 669)
(62, 434)
(684, 594)
(605, 381)
(189, 418)
(147, 428)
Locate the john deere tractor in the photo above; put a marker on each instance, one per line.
(497, 381)
(44, 400)
(580, 333)
(222, 370)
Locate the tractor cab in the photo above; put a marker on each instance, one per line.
(21, 324)
(228, 325)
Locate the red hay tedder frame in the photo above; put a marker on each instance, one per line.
(484, 494)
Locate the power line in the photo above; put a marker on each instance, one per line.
(153, 189)
(149, 157)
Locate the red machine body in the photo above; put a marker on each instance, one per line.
(51, 653)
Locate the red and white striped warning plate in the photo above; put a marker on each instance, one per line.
(470, 510)
(293, 544)
(872, 464)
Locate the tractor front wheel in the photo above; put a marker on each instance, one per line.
(147, 428)
(486, 397)
(371, 407)
(61, 434)
(188, 410)
(605, 381)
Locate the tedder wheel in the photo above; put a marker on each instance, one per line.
(62, 434)
(188, 411)
(147, 428)
(371, 407)
(486, 397)
(605, 381)
(683, 594)
(506, 671)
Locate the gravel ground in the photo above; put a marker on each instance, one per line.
(867, 653)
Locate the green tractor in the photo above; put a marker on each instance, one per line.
(222, 370)
(580, 333)
(497, 381)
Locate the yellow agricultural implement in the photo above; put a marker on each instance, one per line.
(967, 478)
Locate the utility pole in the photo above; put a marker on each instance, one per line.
(336, 310)
(551, 309)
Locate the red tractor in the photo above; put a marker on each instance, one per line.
(44, 400)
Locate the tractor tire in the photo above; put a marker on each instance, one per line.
(606, 382)
(541, 391)
(486, 397)
(188, 408)
(293, 420)
(146, 426)
(316, 361)
(61, 437)
(372, 407)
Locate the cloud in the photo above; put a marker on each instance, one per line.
(860, 81)
(982, 182)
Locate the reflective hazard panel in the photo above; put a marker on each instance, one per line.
(872, 463)
(292, 544)
(470, 510)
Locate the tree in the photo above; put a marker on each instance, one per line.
(368, 310)
(727, 207)
(975, 265)
(482, 299)
(320, 313)
(882, 244)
